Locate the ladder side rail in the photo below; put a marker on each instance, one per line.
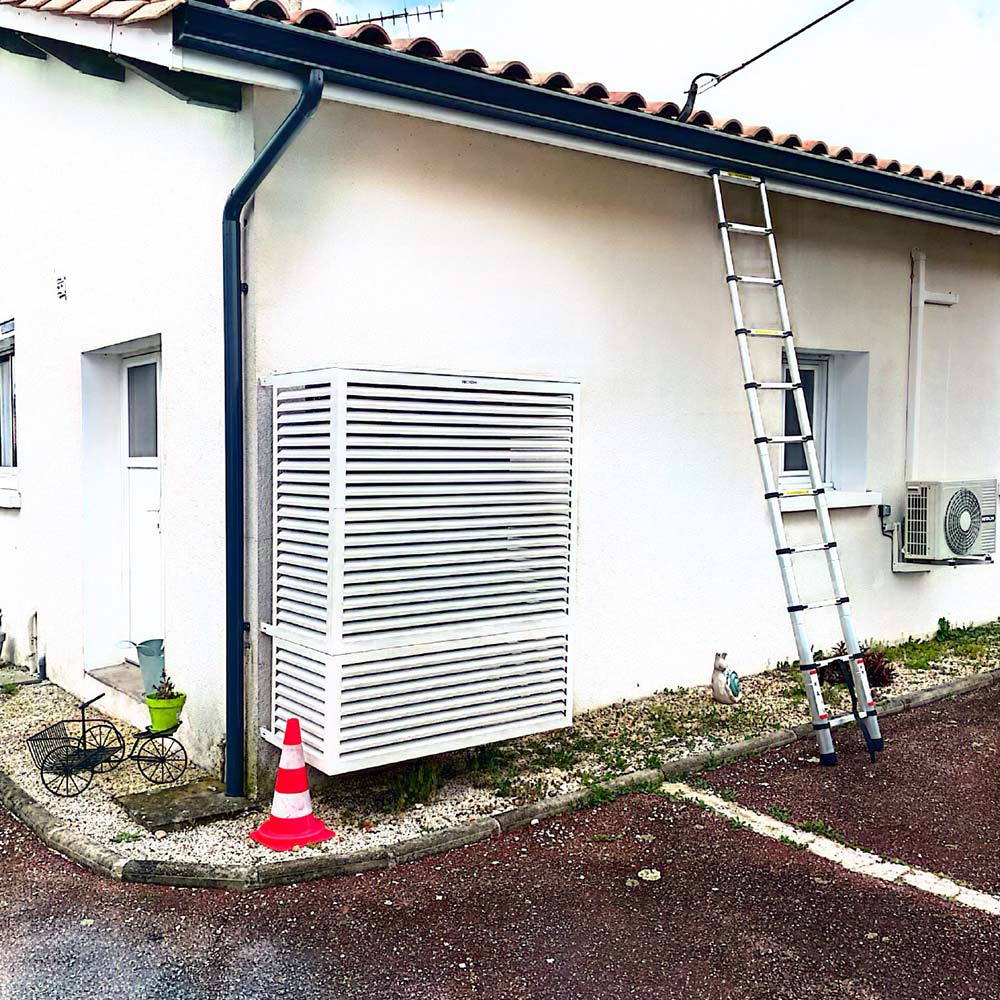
(834, 565)
(814, 696)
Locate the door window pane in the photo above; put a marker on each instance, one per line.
(142, 411)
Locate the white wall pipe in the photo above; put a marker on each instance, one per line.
(919, 297)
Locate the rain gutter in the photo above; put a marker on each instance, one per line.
(257, 41)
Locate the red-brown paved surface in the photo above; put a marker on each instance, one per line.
(542, 913)
(932, 799)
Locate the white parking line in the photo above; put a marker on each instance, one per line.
(851, 858)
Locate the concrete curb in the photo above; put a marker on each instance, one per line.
(57, 835)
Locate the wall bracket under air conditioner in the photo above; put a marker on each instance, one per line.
(903, 565)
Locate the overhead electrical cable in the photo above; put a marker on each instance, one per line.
(715, 79)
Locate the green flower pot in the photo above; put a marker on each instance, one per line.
(164, 713)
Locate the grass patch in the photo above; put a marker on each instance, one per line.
(968, 642)
(126, 837)
(9, 689)
(779, 813)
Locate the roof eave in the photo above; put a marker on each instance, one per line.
(225, 33)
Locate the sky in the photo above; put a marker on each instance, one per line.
(912, 79)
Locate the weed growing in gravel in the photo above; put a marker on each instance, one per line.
(785, 839)
(125, 837)
(9, 689)
(410, 785)
(822, 828)
(728, 794)
(779, 813)
(738, 824)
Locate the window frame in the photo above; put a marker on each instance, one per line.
(8, 402)
(820, 364)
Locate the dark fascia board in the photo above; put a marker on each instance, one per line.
(258, 41)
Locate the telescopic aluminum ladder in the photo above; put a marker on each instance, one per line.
(852, 667)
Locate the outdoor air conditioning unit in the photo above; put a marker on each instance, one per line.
(950, 521)
(423, 561)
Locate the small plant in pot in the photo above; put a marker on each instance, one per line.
(165, 704)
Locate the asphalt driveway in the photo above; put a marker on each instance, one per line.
(556, 910)
(932, 800)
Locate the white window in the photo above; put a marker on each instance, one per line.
(814, 370)
(8, 409)
(835, 386)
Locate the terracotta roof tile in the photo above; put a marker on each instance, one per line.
(422, 48)
(312, 18)
(367, 34)
(627, 99)
(466, 58)
(85, 8)
(315, 19)
(591, 91)
(510, 69)
(116, 10)
(731, 126)
(552, 81)
(664, 109)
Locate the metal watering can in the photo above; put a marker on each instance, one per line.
(151, 661)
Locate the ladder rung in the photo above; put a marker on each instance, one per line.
(846, 720)
(773, 385)
(791, 550)
(731, 177)
(784, 439)
(813, 605)
(831, 659)
(781, 494)
(742, 227)
(745, 332)
(754, 279)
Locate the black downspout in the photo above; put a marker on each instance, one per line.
(232, 296)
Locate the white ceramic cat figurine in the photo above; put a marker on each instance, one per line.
(725, 682)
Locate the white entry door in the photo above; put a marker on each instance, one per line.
(144, 560)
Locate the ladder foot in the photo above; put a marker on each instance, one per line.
(878, 744)
(828, 759)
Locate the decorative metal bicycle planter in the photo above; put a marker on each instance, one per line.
(70, 752)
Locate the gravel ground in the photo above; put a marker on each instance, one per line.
(555, 911)
(400, 803)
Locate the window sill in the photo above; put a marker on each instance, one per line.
(835, 499)
(10, 495)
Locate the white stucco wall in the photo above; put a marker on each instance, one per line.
(386, 240)
(118, 188)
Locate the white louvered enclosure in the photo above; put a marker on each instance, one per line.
(423, 531)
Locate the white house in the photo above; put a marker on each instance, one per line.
(494, 448)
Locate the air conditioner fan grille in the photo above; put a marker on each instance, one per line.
(963, 518)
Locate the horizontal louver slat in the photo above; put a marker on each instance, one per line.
(303, 429)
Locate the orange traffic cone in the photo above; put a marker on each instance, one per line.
(291, 823)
